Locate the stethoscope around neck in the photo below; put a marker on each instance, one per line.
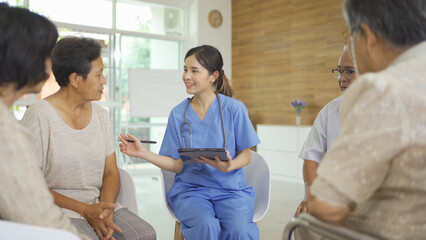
(189, 125)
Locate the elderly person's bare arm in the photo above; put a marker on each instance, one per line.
(328, 212)
(309, 175)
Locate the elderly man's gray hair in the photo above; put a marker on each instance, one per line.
(402, 23)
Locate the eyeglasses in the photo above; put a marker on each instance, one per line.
(347, 73)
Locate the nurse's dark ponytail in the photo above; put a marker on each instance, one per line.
(211, 59)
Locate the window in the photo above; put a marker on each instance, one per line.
(149, 18)
(137, 52)
(142, 35)
(97, 13)
(17, 3)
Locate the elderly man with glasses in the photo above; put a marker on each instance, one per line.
(326, 127)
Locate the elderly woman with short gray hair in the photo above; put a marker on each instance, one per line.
(378, 162)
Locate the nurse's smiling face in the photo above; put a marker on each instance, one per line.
(197, 78)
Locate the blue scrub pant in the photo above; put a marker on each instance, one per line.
(208, 213)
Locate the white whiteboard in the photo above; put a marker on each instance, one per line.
(153, 93)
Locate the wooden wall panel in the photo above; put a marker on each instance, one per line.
(284, 50)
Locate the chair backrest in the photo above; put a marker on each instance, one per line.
(167, 180)
(127, 194)
(257, 175)
(329, 231)
(20, 231)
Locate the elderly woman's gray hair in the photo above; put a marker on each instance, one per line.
(402, 23)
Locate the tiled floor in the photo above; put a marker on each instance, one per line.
(285, 197)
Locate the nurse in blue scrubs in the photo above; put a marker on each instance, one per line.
(209, 196)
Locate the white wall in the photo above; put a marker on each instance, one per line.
(280, 146)
(220, 37)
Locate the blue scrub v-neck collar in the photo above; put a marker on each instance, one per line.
(197, 120)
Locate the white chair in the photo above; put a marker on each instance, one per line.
(20, 231)
(309, 222)
(257, 175)
(127, 194)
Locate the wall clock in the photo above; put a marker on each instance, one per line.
(215, 18)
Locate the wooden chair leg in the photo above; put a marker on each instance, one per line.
(178, 232)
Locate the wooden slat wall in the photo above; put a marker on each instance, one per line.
(283, 50)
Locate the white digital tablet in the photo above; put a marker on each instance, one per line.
(192, 153)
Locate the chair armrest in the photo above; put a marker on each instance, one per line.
(18, 231)
(309, 222)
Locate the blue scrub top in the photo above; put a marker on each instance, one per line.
(240, 135)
